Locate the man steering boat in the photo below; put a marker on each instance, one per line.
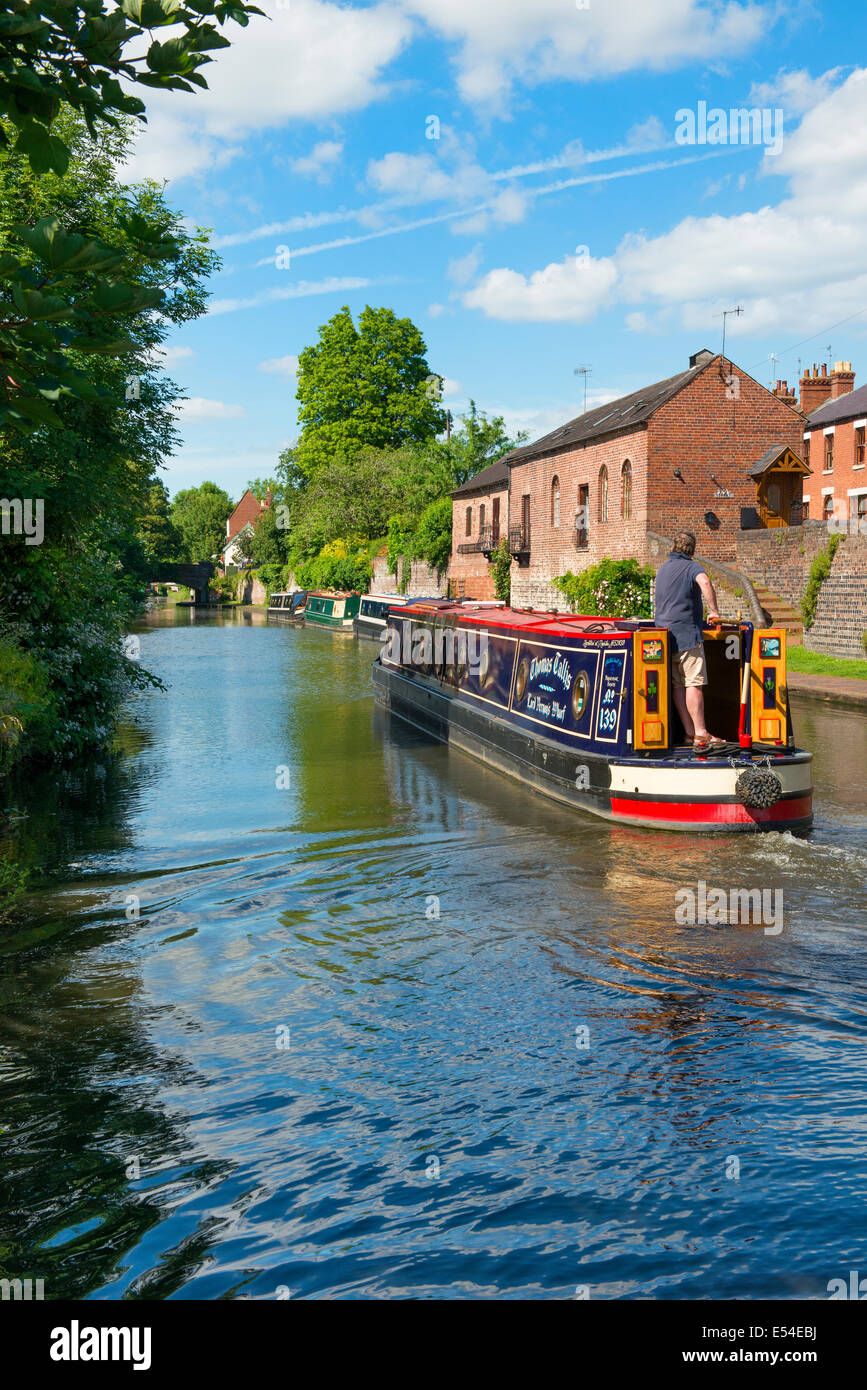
(681, 586)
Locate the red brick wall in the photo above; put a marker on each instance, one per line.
(846, 474)
(553, 550)
(470, 575)
(702, 432)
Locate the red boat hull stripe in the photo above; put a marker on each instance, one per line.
(712, 813)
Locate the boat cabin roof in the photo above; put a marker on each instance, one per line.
(533, 620)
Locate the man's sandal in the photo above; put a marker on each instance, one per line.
(702, 744)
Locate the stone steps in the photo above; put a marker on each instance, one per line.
(783, 614)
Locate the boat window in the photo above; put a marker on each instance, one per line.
(523, 677)
(580, 688)
(484, 666)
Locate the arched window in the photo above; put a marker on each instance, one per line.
(626, 489)
(603, 493)
(555, 502)
(828, 507)
(469, 521)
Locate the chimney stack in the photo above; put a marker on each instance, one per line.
(815, 389)
(842, 380)
(784, 394)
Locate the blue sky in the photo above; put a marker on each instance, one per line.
(559, 219)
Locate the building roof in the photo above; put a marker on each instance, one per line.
(494, 474)
(624, 413)
(847, 407)
(772, 456)
(245, 512)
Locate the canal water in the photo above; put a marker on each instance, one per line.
(317, 1008)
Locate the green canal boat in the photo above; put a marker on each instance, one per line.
(335, 610)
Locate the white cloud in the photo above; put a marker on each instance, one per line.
(796, 92)
(452, 390)
(463, 268)
(795, 265)
(200, 408)
(435, 310)
(301, 290)
(307, 61)
(500, 42)
(320, 162)
(170, 355)
(280, 366)
(568, 291)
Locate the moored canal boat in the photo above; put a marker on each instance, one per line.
(331, 610)
(372, 615)
(287, 604)
(580, 709)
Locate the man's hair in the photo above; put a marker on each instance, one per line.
(684, 543)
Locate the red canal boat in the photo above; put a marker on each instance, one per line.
(580, 709)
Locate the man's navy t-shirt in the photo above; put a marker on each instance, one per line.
(677, 600)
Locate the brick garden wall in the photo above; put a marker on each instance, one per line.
(841, 612)
(781, 559)
(424, 582)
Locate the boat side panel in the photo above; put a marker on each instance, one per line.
(588, 780)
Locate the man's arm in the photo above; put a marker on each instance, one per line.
(709, 595)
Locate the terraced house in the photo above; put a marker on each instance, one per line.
(835, 441)
(703, 449)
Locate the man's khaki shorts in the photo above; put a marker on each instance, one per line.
(690, 667)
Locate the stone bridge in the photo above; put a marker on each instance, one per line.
(195, 577)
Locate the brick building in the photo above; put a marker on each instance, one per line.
(835, 439)
(678, 453)
(480, 512)
(239, 528)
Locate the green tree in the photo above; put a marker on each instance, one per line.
(478, 442)
(65, 602)
(269, 542)
(67, 294)
(199, 514)
(369, 386)
(156, 532)
(263, 487)
(55, 53)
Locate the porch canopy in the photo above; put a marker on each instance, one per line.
(779, 478)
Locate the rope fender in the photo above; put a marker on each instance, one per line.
(758, 789)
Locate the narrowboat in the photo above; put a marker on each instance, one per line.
(332, 610)
(370, 620)
(580, 709)
(287, 604)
